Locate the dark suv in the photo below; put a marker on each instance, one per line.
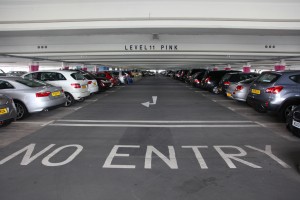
(276, 92)
(211, 79)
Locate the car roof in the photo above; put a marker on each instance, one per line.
(282, 72)
(11, 78)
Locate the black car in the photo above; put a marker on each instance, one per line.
(190, 75)
(293, 121)
(211, 79)
(197, 77)
(231, 78)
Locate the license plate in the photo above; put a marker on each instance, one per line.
(296, 124)
(54, 94)
(84, 86)
(228, 94)
(3, 111)
(254, 91)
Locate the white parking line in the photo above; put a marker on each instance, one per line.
(155, 121)
(159, 125)
(91, 100)
(48, 123)
(222, 100)
(77, 108)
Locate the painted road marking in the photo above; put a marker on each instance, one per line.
(30, 155)
(91, 100)
(77, 108)
(154, 121)
(156, 124)
(160, 125)
(222, 100)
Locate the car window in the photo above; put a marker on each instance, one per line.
(268, 78)
(295, 78)
(88, 77)
(78, 76)
(31, 83)
(52, 76)
(5, 85)
(31, 76)
(226, 77)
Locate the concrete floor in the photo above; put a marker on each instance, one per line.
(190, 145)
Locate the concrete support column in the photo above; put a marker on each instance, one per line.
(227, 68)
(64, 66)
(34, 66)
(280, 66)
(247, 68)
(215, 68)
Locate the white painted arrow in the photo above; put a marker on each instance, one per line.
(147, 104)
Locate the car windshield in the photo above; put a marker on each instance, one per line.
(247, 81)
(31, 83)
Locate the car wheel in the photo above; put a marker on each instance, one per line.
(69, 99)
(81, 100)
(22, 111)
(287, 111)
(215, 90)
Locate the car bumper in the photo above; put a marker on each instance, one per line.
(11, 115)
(80, 95)
(263, 105)
(93, 89)
(42, 104)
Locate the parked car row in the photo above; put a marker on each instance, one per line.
(42, 90)
(271, 91)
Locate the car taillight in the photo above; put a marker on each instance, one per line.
(207, 80)
(274, 90)
(90, 82)
(75, 85)
(42, 94)
(226, 83)
(238, 88)
(196, 81)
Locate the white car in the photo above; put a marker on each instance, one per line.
(73, 83)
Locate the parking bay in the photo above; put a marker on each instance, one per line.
(118, 148)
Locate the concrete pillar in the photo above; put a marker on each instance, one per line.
(247, 68)
(34, 66)
(227, 68)
(280, 66)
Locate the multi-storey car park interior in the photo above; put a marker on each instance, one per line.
(150, 137)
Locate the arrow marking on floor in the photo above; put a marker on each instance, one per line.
(147, 104)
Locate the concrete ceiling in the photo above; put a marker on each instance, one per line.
(81, 37)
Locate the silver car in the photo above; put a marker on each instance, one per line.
(8, 111)
(239, 91)
(31, 96)
(275, 91)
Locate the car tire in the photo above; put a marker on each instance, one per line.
(215, 90)
(81, 99)
(69, 99)
(286, 110)
(22, 111)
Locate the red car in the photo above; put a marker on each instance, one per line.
(109, 76)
